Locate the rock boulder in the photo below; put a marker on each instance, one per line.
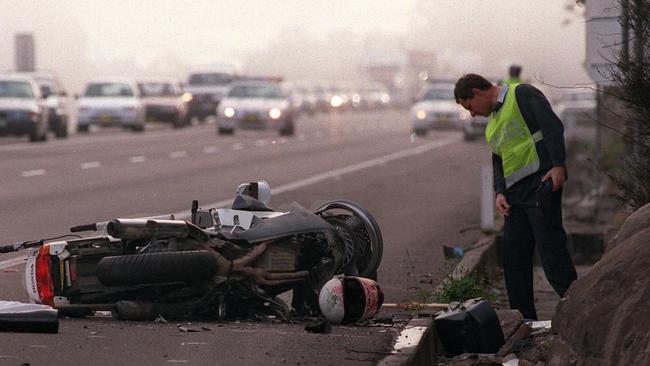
(605, 317)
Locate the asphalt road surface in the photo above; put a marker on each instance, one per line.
(424, 192)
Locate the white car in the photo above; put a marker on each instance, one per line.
(255, 105)
(436, 108)
(111, 102)
(23, 109)
(56, 98)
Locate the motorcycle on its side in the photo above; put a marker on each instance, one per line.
(222, 264)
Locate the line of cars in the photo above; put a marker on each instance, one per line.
(313, 96)
(33, 103)
(130, 103)
(237, 101)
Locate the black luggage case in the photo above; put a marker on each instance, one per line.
(471, 326)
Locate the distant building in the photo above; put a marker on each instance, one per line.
(25, 55)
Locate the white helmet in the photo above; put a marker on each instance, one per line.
(350, 299)
(260, 190)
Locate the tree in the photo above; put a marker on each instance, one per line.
(631, 80)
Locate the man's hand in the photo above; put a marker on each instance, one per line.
(558, 175)
(502, 204)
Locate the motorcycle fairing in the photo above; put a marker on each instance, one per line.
(297, 220)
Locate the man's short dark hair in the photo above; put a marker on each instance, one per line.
(514, 71)
(466, 83)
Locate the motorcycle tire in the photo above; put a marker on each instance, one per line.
(154, 268)
(374, 251)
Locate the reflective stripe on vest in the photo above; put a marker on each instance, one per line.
(508, 137)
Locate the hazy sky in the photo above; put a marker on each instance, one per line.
(468, 35)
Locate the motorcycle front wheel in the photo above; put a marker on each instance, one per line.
(366, 233)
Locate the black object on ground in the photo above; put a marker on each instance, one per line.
(471, 326)
(318, 325)
(30, 318)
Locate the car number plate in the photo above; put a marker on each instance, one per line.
(443, 120)
(105, 119)
(251, 118)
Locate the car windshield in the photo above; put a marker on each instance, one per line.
(109, 90)
(438, 94)
(210, 79)
(156, 89)
(16, 89)
(256, 91)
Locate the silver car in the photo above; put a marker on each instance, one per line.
(255, 105)
(111, 102)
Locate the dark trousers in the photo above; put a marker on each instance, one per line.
(526, 229)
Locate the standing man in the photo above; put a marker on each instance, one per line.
(527, 143)
(514, 71)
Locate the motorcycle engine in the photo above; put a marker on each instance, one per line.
(280, 256)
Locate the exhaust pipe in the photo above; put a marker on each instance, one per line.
(130, 229)
(127, 228)
(167, 229)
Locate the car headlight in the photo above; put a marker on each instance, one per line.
(229, 112)
(421, 114)
(187, 97)
(275, 113)
(336, 101)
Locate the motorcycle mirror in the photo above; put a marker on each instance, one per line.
(260, 190)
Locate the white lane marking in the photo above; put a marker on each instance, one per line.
(261, 143)
(12, 262)
(91, 165)
(237, 146)
(33, 173)
(177, 154)
(382, 160)
(210, 149)
(138, 159)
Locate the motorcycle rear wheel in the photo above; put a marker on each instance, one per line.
(152, 268)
